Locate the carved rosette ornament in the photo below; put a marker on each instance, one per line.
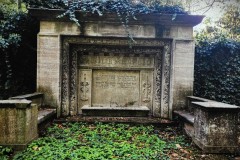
(159, 47)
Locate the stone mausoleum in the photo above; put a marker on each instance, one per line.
(93, 66)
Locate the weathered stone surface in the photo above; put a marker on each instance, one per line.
(215, 128)
(22, 103)
(165, 75)
(49, 27)
(115, 88)
(46, 114)
(178, 32)
(115, 81)
(133, 111)
(183, 71)
(36, 98)
(48, 68)
(18, 123)
(118, 30)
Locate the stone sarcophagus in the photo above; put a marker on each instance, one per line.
(18, 123)
(94, 65)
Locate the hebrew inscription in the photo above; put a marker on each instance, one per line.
(115, 88)
(117, 61)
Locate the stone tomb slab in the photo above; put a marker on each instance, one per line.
(114, 88)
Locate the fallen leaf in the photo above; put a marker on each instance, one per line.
(178, 146)
(174, 154)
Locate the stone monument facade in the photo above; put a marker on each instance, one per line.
(94, 64)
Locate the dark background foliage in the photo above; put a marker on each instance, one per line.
(217, 70)
(17, 54)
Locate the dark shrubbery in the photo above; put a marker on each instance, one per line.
(17, 53)
(217, 70)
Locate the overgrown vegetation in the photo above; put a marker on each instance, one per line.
(5, 152)
(125, 10)
(104, 141)
(217, 59)
(17, 52)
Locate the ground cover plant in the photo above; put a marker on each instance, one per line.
(104, 141)
(5, 152)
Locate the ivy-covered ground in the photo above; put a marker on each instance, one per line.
(74, 141)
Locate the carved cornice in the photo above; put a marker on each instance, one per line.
(152, 18)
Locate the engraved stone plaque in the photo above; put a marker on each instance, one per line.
(115, 88)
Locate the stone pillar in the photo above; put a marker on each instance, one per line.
(49, 59)
(183, 63)
(18, 123)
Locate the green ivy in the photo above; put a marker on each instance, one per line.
(217, 69)
(5, 152)
(124, 9)
(17, 54)
(100, 142)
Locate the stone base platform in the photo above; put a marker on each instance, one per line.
(139, 111)
(128, 120)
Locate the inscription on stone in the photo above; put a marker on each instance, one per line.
(115, 88)
(116, 61)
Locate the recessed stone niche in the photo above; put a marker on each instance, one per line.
(94, 65)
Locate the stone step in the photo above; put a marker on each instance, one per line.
(136, 111)
(187, 120)
(45, 115)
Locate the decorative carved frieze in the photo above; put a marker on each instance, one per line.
(157, 51)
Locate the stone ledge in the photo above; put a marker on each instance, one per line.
(29, 96)
(140, 111)
(45, 114)
(134, 108)
(186, 116)
(198, 99)
(215, 105)
(15, 103)
(36, 98)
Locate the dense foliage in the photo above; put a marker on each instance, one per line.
(217, 70)
(217, 60)
(101, 141)
(5, 152)
(17, 52)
